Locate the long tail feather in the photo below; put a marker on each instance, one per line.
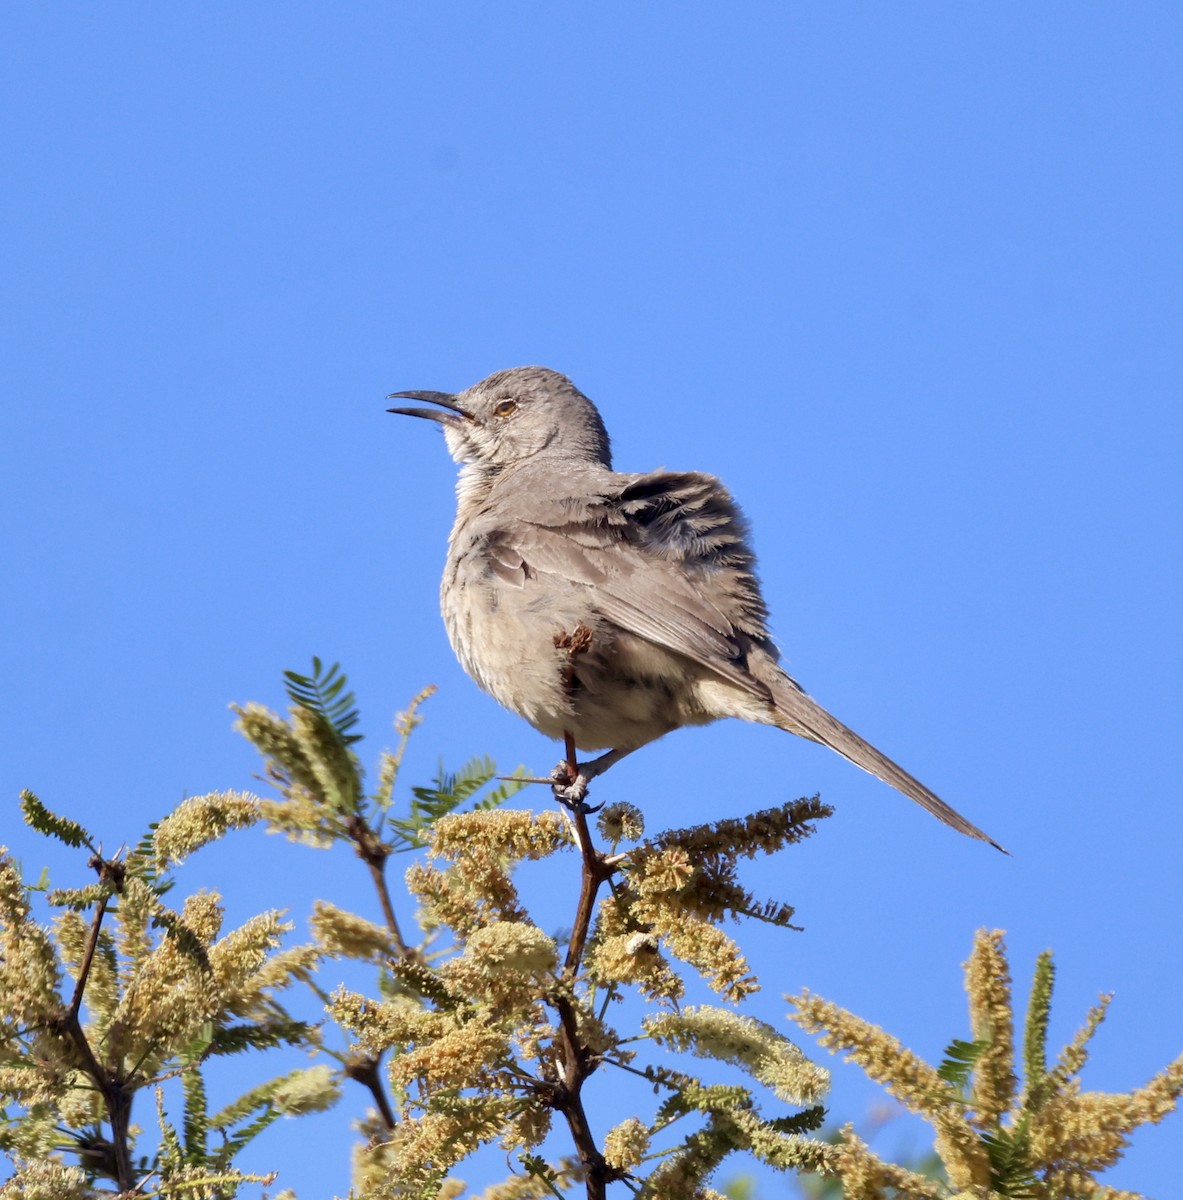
(801, 714)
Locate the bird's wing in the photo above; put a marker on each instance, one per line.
(664, 556)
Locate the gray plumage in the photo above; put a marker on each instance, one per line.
(652, 573)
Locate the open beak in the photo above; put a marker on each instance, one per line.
(445, 400)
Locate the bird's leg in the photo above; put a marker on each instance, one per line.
(597, 766)
(573, 777)
(567, 779)
(571, 765)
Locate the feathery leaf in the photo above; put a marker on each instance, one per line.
(50, 824)
(1035, 1031)
(446, 794)
(324, 692)
(960, 1059)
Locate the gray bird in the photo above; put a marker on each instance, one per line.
(608, 609)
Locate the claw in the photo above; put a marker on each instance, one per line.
(569, 790)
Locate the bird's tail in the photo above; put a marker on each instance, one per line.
(801, 714)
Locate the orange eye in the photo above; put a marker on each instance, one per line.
(505, 408)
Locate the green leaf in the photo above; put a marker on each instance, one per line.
(695, 1096)
(183, 938)
(245, 1135)
(509, 787)
(806, 1121)
(1035, 1030)
(324, 692)
(447, 793)
(141, 862)
(1009, 1152)
(261, 1035)
(960, 1059)
(199, 1046)
(195, 1127)
(170, 1156)
(50, 824)
(538, 1168)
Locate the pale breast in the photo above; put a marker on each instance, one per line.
(621, 690)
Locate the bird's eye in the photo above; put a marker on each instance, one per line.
(504, 408)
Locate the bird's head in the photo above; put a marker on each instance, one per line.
(515, 415)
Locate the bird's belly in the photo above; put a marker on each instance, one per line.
(619, 690)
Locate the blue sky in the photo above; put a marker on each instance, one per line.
(906, 276)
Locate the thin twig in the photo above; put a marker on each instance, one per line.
(594, 873)
(115, 1092)
(577, 1058)
(374, 853)
(365, 1071)
(87, 959)
(568, 1100)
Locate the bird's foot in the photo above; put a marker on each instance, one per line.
(569, 784)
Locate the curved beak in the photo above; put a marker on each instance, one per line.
(445, 400)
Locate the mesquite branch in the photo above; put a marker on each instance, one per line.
(116, 1091)
(374, 853)
(578, 1060)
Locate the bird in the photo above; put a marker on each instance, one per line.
(607, 608)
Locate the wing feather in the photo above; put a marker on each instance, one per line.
(664, 556)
